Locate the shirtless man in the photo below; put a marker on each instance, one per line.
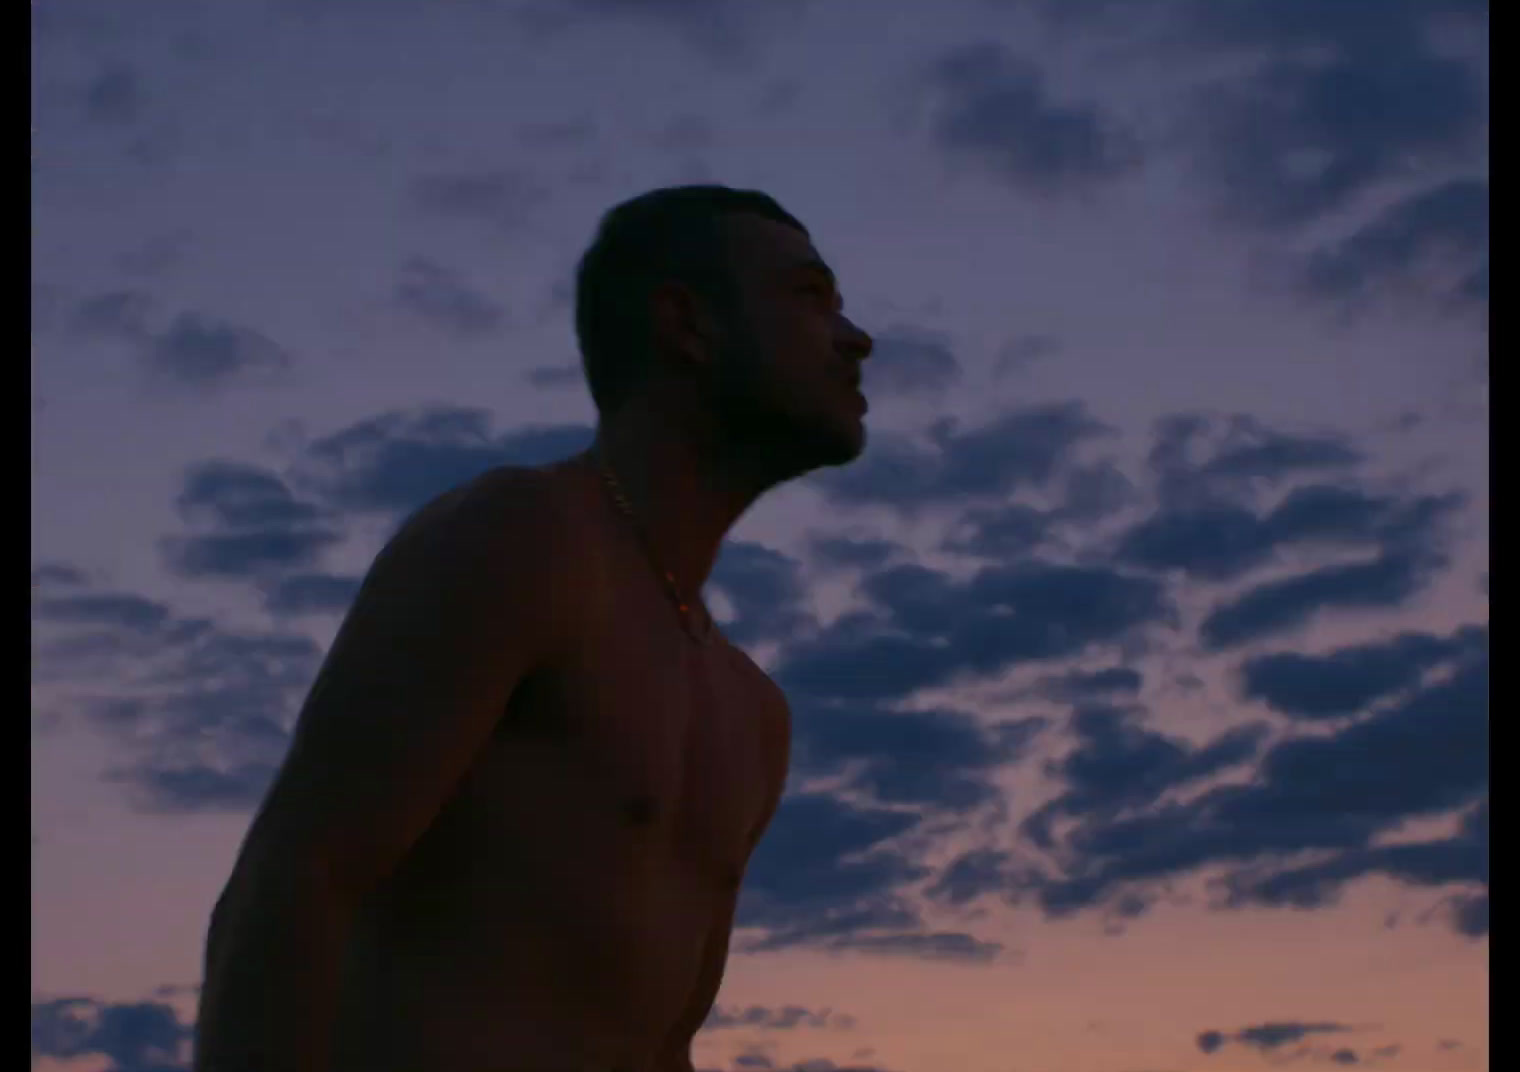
(512, 825)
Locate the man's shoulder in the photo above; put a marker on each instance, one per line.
(511, 519)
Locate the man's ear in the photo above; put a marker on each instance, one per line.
(683, 322)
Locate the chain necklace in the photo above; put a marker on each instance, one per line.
(620, 500)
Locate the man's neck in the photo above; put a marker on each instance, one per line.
(686, 491)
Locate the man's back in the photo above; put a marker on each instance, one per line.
(567, 904)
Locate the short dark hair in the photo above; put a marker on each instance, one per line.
(672, 233)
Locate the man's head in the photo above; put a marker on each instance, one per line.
(716, 297)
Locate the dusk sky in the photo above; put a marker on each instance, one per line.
(1139, 668)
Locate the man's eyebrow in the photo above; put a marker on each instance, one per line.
(813, 264)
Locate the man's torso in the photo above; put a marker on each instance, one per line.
(555, 913)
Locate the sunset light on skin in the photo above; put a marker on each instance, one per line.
(1138, 668)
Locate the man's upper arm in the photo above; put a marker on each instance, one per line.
(454, 612)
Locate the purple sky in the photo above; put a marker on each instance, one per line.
(1139, 668)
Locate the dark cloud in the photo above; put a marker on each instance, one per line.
(970, 875)
(143, 1036)
(909, 362)
(1470, 915)
(394, 462)
(1350, 94)
(784, 1018)
(939, 758)
(56, 575)
(995, 108)
(111, 610)
(121, 315)
(1118, 764)
(1344, 1057)
(1448, 222)
(114, 97)
(1388, 581)
(1348, 680)
(201, 353)
(1021, 352)
(1221, 541)
(310, 593)
(1461, 858)
(558, 134)
(246, 554)
(725, 31)
(1267, 1037)
(439, 297)
(1426, 755)
(684, 134)
(824, 875)
(1078, 685)
(1022, 448)
(547, 376)
(1200, 461)
(237, 495)
(766, 590)
(1002, 533)
(200, 713)
(257, 526)
(504, 200)
(848, 552)
(929, 629)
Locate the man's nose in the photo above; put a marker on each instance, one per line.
(854, 342)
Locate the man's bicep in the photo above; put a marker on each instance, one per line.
(422, 668)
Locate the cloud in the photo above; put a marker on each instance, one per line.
(927, 629)
(1388, 581)
(783, 1018)
(939, 758)
(1022, 351)
(549, 376)
(310, 593)
(909, 362)
(1198, 460)
(1077, 685)
(823, 873)
(504, 200)
(1348, 680)
(1119, 764)
(1022, 448)
(839, 552)
(114, 96)
(766, 590)
(684, 134)
(1267, 1037)
(1425, 755)
(558, 133)
(245, 554)
(1349, 95)
(201, 353)
(257, 524)
(995, 109)
(1450, 221)
(199, 713)
(439, 297)
(236, 494)
(143, 1036)
(721, 30)
(120, 315)
(111, 610)
(56, 575)
(1461, 858)
(394, 462)
(1221, 541)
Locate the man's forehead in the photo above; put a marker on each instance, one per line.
(771, 245)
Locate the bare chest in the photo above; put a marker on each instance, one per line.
(656, 748)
